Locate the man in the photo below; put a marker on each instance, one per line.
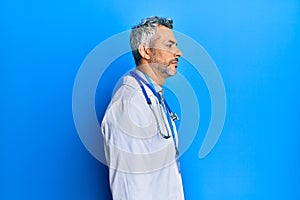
(138, 127)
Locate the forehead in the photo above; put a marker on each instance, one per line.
(164, 34)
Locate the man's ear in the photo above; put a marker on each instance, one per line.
(144, 51)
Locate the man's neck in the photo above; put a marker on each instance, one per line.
(147, 69)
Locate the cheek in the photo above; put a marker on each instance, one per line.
(165, 55)
(162, 56)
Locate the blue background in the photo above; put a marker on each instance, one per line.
(255, 45)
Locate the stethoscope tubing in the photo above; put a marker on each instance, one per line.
(170, 115)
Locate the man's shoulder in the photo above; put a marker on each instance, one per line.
(125, 88)
(127, 97)
(131, 82)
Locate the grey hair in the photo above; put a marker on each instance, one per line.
(145, 33)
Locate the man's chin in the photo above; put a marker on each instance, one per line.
(171, 71)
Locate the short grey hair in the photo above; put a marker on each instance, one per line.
(145, 33)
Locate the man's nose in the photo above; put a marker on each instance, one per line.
(178, 52)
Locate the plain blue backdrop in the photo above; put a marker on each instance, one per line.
(255, 44)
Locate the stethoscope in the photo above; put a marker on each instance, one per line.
(163, 103)
(170, 114)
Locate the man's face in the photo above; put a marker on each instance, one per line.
(165, 53)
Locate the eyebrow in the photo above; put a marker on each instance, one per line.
(172, 42)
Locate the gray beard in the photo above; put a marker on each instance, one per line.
(163, 68)
(166, 70)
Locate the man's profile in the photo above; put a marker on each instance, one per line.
(140, 137)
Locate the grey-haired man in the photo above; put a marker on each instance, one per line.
(138, 127)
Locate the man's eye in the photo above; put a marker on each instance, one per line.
(169, 45)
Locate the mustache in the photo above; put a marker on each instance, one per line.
(175, 59)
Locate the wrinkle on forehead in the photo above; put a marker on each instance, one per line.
(164, 34)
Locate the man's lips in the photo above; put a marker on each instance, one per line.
(174, 62)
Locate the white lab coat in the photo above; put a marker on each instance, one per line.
(142, 164)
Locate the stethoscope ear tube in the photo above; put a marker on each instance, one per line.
(170, 116)
(142, 87)
(140, 80)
